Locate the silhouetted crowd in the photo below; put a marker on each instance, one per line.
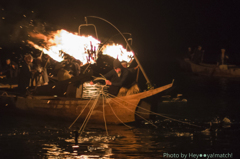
(197, 55)
(35, 72)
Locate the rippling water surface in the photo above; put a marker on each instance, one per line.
(212, 109)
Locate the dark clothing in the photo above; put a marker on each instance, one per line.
(131, 70)
(73, 68)
(117, 82)
(9, 71)
(76, 69)
(117, 64)
(24, 78)
(131, 80)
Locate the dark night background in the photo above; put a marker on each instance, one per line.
(161, 29)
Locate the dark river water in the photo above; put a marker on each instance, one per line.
(206, 126)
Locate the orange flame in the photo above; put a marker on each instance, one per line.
(76, 46)
(118, 52)
(38, 36)
(72, 44)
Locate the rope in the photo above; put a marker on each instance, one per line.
(135, 57)
(86, 119)
(102, 76)
(163, 115)
(114, 99)
(133, 111)
(157, 113)
(99, 78)
(116, 115)
(84, 122)
(104, 115)
(172, 118)
(88, 116)
(94, 104)
(80, 113)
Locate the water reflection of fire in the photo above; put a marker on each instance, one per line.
(81, 48)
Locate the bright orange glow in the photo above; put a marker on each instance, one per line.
(118, 52)
(38, 36)
(69, 43)
(76, 46)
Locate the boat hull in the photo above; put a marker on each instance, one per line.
(211, 69)
(115, 110)
(111, 109)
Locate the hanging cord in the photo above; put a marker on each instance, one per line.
(88, 116)
(114, 100)
(170, 118)
(157, 113)
(105, 122)
(163, 115)
(85, 119)
(80, 113)
(95, 78)
(115, 113)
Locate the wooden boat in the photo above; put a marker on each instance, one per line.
(7, 83)
(210, 69)
(116, 110)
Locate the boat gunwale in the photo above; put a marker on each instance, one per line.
(137, 96)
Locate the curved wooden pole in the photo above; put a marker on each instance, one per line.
(140, 66)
